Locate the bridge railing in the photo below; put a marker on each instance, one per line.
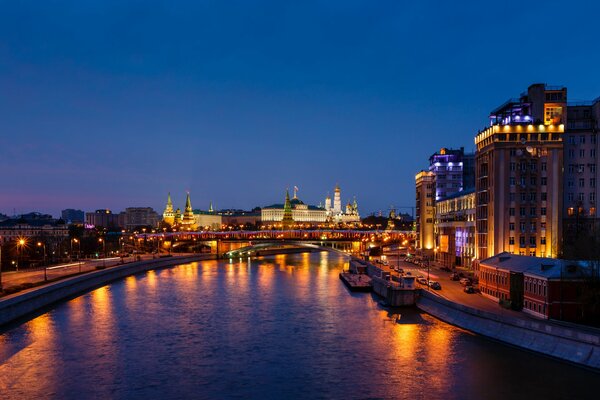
(329, 234)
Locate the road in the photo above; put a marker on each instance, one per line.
(452, 290)
(36, 276)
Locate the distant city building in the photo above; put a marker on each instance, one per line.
(298, 212)
(140, 216)
(425, 192)
(73, 216)
(38, 227)
(104, 218)
(519, 185)
(543, 287)
(455, 229)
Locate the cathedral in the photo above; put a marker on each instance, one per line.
(338, 215)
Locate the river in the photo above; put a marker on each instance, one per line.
(279, 327)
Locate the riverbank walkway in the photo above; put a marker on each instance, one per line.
(16, 281)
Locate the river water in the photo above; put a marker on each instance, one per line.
(280, 327)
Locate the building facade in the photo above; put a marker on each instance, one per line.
(300, 213)
(17, 228)
(455, 229)
(542, 287)
(519, 179)
(105, 218)
(581, 174)
(425, 210)
(450, 174)
(140, 216)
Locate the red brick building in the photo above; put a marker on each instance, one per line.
(543, 287)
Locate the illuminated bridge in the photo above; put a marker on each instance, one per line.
(221, 242)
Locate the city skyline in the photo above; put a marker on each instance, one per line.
(112, 105)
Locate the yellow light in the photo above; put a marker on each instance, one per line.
(39, 244)
(21, 242)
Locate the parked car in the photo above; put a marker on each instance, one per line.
(422, 280)
(435, 285)
(465, 281)
(454, 276)
(469, 289)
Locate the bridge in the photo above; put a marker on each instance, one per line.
(221, 242)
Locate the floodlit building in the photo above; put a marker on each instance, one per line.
(455, 229)
(519, 181)
(425, 210)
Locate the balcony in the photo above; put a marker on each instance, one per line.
(518, 129)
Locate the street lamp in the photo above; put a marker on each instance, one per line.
(40, 244)
(20, 245)
(100, 240)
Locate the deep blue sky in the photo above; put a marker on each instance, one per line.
(108, 104)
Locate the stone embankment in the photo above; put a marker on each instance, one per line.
(574, 344)
(22, 304)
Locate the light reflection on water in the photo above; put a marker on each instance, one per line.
(282, 326)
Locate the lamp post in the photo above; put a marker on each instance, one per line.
(101, 240)
(40, 244)
(20, 245)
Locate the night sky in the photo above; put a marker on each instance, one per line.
(111, 105)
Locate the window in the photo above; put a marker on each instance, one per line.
(543, 211)
(544, 166)
(523, 196)
(544, 196)
(592, 167)
(511, 240)
(511, 211)
(593, 182)
(511, 226)
(522, 211)
(593, 153)
(571, 168)
(532, 196)
(511, 196)
(532, 240)
(512, 181)
(542, 225)
(522, 227)
(582, 139)
(580, 196)
(532, 227)
(571, 153)
(512, 166)
(571, 196)
(570, 183)
(522, 241)
(513, 152)
(532, 211)
(533, 180)
(571, 139)
(581, 153)
(544, 181)
(543, 240)
(581, 182)
(593, 197)
(593, 139)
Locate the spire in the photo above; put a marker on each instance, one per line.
(288, 219)
(188, 203)
(169, 202)
(210, 208)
